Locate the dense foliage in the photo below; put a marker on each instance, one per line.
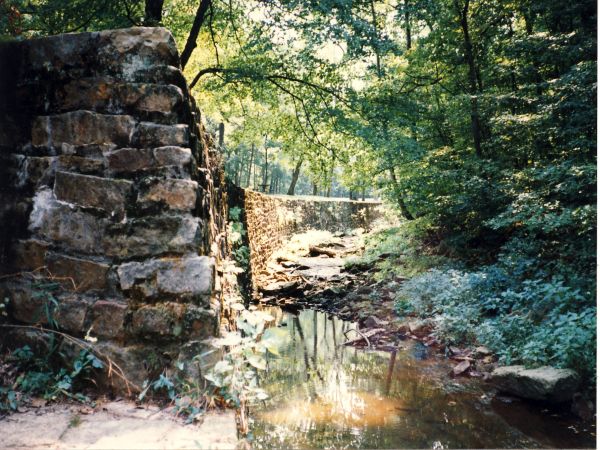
(476, 118)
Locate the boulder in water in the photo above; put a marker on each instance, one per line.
(544, 383)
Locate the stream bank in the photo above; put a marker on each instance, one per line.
(394, 386)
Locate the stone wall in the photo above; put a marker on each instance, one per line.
(112, 209)
(270, 220)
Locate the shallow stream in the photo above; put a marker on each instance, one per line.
(326, 395)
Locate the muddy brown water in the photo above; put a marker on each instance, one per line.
(326, 395)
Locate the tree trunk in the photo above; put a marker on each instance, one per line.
(254, 184)
(153, 12)
(403, 209)
(221, 134)
(265, 173)
(407, 25)
(315, 189)
(238, 172)
(473, 84)
(295, 176)
(250, 165)
(190, 44)
(375, 43)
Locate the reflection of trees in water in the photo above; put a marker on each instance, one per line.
(309, 369)
(330, 369)
(402, 397)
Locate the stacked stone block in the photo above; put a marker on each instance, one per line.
(109, 185)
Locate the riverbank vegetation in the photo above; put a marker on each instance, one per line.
(475, 119)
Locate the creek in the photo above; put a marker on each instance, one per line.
(327, 395)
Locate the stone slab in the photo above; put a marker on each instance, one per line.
(82, 128)
(57, 222)
(76, 273)
(153, 236)
(116, 425)
(108, 318)
(150, 134)
(192, 275)
(92, 192)
(171, 193)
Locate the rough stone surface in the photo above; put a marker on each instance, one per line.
(30, 254)
(543, 383)
(94, 192)
(109, 318)
(190, 276)
(24, 306)
(150, 134)
(106, 95)
(103, 163)
(173, 156)
(137, 362)
(78, 274)
(71, 314)
(82, 127)
(80, 164)
(57, 222)
(130, 159)
(133, 160)
(173, 194)
(28, 305)
(153, 236)
(159, 320)
(37, 170)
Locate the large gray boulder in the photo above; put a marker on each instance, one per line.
(543, 383)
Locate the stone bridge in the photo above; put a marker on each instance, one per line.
(113, 205)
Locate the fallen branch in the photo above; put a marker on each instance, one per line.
(366, 335)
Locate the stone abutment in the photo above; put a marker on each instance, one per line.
(112, 202)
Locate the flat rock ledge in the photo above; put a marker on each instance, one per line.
(543, 383)
(115, 425)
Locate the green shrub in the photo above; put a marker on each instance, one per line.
(515, 307)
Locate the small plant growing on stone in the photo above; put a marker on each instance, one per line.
(61, 367)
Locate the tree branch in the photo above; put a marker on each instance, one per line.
(190, 44)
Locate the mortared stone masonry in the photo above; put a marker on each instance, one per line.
(112, 203)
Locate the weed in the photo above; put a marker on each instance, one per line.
(45, 376)
(75, 421)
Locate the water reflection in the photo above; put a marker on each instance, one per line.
(325, 395)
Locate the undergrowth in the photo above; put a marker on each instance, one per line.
(233, 380)
(396, 252)
(527, 308)
(25, 374)
(59, 367)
